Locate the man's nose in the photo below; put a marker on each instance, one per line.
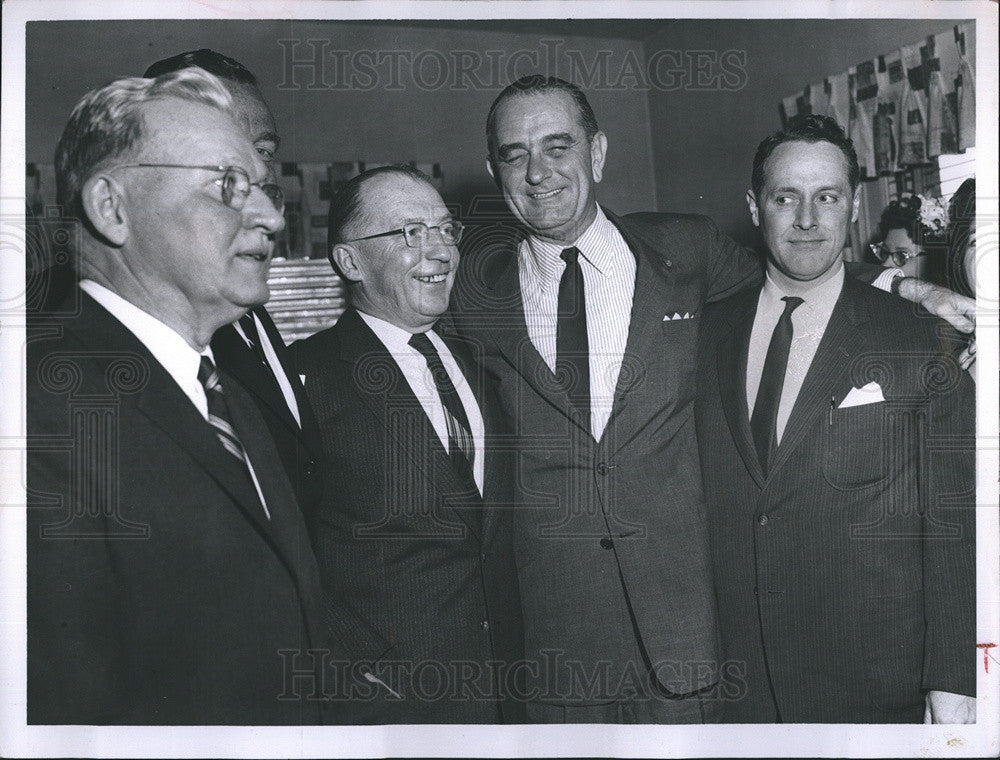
(436, 249)
(260, 211)
(538, 169)
(805, 216)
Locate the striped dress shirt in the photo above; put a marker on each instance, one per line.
(608, 281)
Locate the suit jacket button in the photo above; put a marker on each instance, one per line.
(602, 469)
(486, 625)
(606, 543)
(762, 520)
(310, 466)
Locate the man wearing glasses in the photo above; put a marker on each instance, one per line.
(407, 535)
(251, 349)
(168, 563)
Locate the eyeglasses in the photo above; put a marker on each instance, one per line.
(899, 257)
(235, 183)
(415, 233)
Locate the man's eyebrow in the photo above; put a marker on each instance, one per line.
(554, 137)
(269, 137)
(559, 137)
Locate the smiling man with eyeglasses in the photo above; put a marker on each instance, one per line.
(168, 565)
(407, 533)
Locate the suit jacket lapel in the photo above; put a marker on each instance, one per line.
(731, 354)
(234, 355)
(309, 429)
(651, 296)
(167, 407)
(842, 340)
(510, 334)
(390, 394)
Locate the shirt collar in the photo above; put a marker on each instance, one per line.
(395, 338)
(167, 346)
(819, 300)
(543, 257)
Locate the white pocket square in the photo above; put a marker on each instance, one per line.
(868, 394)
(677, 315)
(302, 379)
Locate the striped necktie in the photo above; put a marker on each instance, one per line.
(218, 415)
(460, 444)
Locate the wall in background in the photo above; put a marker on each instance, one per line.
(704, 139)
(383, 92)
(685, 143)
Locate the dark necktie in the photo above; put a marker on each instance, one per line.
(763, 423)
(572, 353)
(218, 415)
(249, 326)
(461, 449)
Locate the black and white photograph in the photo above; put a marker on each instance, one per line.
(499, 379)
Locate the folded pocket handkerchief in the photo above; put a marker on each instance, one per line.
(868, 394)
(678, 315)
(302, 379)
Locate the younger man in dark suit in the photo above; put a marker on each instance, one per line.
(407, 534)
(837, 443)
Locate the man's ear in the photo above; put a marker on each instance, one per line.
(103, 202)
(754, 211)
(492, 171)
(598, 152)
(857, 205)
(346, 258)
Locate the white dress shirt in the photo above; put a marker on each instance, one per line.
(167, 346)
(809, 321)
(413, 365)
(608, 268)
(274, 365)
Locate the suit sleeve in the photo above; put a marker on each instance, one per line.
(949, 536)
(730, 266)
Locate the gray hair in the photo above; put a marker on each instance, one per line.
(107, 123)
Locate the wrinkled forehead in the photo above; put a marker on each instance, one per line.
(182, 131)
(252, 112)
(554, 108)
(394, 199)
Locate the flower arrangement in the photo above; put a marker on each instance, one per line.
(933, 216)
(925, 217)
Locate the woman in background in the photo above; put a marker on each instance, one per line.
(904, 228)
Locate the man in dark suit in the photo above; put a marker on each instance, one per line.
(408, 535)
(837, 442)
(251, 349)
(170, 577)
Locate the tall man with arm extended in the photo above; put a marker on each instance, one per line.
(170, 576)
(251, 349)
(838, 445)
(590, 327)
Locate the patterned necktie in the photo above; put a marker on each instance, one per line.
(218, 415)
(250, 330)
(764, 421)
(461, 448)
(572, 353)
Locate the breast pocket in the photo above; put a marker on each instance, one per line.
(856, 449)
(680, 349)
